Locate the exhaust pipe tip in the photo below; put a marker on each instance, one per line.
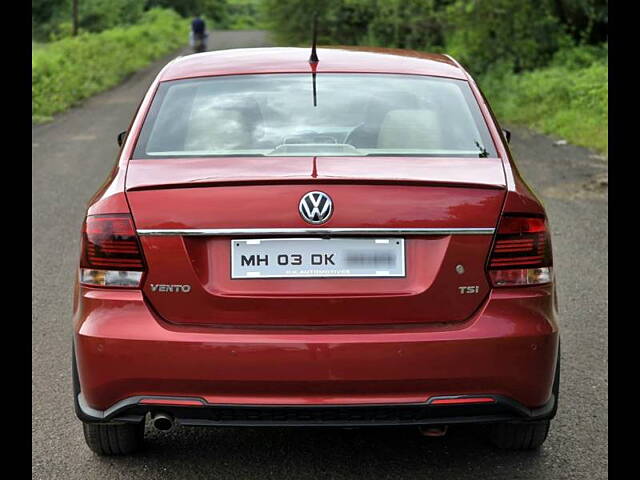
(162, 421)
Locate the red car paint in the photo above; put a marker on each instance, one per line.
(315, 342)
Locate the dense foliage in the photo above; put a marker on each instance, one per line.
(98, 15)
(523, 33)
(51, 19)
(220, 14)
(71, 69)
(243, 15)
(46, 15)
(569, 98)
(214, 10)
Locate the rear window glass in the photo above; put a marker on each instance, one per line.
(353, 115)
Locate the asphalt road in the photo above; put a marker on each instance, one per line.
(71, 157)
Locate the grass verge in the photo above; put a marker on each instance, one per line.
(67, 71)
(566, 99)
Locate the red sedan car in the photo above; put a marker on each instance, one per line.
(342, 242)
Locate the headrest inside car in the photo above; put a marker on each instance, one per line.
(410, 129)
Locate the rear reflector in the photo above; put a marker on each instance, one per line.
(461, 401)
(522, 252)
(173, 402)
(111, 254)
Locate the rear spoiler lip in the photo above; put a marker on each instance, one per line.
(232, 182)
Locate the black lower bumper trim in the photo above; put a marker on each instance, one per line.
(502, 410)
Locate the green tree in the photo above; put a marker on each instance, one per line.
(585, 20)
(244, 14)
(523, 34)
(412, 24)
(44, 10)
(99, 15)
(517, 34)
(51, 19)
(46, 14)
(291, 20)
(214, 10)
(392, 23)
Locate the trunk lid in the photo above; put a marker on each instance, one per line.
(259, 192)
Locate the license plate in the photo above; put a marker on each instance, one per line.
(317, 257)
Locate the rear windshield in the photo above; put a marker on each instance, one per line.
(329, 115)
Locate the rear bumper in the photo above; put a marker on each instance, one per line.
(124, 353)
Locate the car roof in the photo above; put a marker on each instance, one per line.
(296, 60)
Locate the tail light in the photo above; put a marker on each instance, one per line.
(111, 254)
(522, 253)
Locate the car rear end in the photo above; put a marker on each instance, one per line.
(419, 292)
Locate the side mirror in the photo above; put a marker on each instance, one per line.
(507, 134)
(121, 136)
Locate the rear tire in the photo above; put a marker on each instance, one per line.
(519, 436)
(113, 438)
(526, 435)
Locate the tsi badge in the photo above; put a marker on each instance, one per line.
(159, 287)
(470, 289)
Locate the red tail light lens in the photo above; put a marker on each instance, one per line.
(522, 252)
(110, 241)
(111, 254)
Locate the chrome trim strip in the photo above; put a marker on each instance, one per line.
(234, 232)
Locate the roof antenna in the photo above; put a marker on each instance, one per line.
(314, 56)
(313, 59)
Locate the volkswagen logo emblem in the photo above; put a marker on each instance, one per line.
(316, 207)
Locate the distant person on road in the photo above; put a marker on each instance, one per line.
(199, 34)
